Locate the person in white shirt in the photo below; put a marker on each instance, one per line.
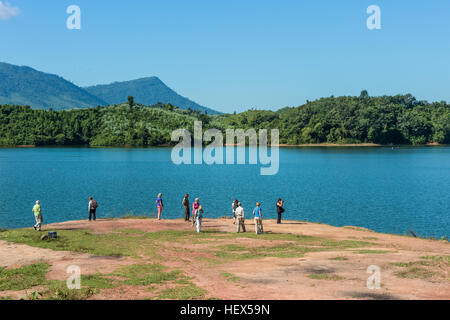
(198, 216)
(240, 218)
(233, 208)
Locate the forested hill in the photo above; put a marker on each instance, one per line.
(27, 86)
(397, 119)
(21, 85)
(147, 91)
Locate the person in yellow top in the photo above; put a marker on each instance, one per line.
(37, 215)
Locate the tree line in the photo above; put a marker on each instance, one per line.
(399, 119)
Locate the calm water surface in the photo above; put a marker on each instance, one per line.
(378, 188)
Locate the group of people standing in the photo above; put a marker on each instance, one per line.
(239, 217)
(197, 213)
(237, 209)
(197, 210)
(92, 209)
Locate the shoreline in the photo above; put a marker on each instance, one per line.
(282, 145)
(226, 218)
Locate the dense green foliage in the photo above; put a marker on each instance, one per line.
(102, 126)
(26, 86)
(397, 119)
(147, 91)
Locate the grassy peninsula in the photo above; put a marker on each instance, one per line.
(150, 259)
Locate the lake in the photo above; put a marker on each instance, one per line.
(383, 189)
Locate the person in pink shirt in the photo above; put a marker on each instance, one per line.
(195, 206)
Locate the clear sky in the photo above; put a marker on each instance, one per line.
(238, 54)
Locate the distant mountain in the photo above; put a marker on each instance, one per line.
(22, 85)
(147, 91)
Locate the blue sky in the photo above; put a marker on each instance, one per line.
(235, 55)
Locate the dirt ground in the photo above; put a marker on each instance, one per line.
(261, 278)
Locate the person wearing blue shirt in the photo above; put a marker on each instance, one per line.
(159, 205)
(257, 212)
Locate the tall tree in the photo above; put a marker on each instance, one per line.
(131, 101)
(364, 94)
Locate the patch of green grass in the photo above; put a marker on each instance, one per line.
(183, 280)
(298, 248)
(131, 231)
(401, 264)
(325, 276)
(371, 251)
(426, 268)
(178, 235)
(98, 281)
(57, 290)
(210, 261)
(276, 236)
(137, 275)
(370, 238)
(207, 236)
(428, 261)
(288, 250)
(339, 258)
(344, 244)
(108, 244)
(145, 274)
(415, 263)
(188, 292)
(34, 275)
(437, 258)
(230, 277)
(415, 273)
(232, 247)
(24, 277)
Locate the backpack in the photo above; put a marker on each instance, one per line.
(94, 204)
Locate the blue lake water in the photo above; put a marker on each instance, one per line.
(381, 189)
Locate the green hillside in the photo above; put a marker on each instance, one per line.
(397, 119)
(21, 85)
(26, 86)
(147, 91)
